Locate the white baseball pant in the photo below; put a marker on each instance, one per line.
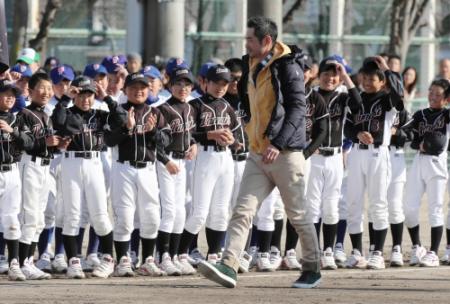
(427, 174)
(324, 188)
(35, 188)
(212, 190)
(239, 167)
(82, 181)
(135, 188)
(265, 216)
(396, 186)
(368, 169)
(10, 200)
(173, 211)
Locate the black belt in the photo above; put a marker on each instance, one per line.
(240, 157)
(87, 154)
(366, 147)
(216, 148)
(44, 161)
(430, 154)
(6, 167)
(178, 155)
(396, 147)
(136, 163)
(329, 151)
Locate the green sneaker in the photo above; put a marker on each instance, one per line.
(219, 273)
(308, 279)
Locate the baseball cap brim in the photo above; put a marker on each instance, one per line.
(143, 80)
(27, 60)
(87, 89)
(189, 77)
(225, 76)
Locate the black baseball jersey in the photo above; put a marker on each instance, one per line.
(316, 109)
(85, 128)
(180, 116)
(138, 144)
(400, 137)
(429, 127)
(40, 124)
(378, 111)
(12, 144)
(213, 114)
(337, 103)
(241, 115)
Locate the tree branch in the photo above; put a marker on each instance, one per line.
(290, 12)
(47, 20)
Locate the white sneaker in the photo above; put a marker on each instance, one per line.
(74, 270)
(417, 253)
(182, 263)
(327, 260)
(195, 256)
(14, 272)
(263, 262)
(430, 260)
(396, 256)
(275, 257)
(42, 275)
(445, 259)
(356, 260)
(339, 255)
(134, 259)
(105, 268)
(168, 266)
(253, 252)
(4, 267)
(376, 260)
(29, 271)
(244, 262)
(124, 269)
(91, 262)
(290, 261)
(44, 263)
(212, 258)
(59, 264)
(150, 269)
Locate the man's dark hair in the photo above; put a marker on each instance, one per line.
(444, 84)
(234, 65)
(36, 78)
(263, 27)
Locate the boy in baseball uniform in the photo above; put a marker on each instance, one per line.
(430, 129)
(140, 139)
(369, 161)
(14, 139)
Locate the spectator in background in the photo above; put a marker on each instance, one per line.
(51, 63)
(444, 69)
(31, 57)
(314, 80)
(395, 64)
(134, 62)
(409, 76)
(385, 56)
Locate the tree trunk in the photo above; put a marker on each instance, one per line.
(19, 28)
(48, 18)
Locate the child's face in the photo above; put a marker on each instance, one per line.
(217, 89)
(7, 100)
(61, 87)
(181, 89)
(436, 97)
(41, 93)
(137, 93)
(329, 80)
(84, 101)
(22, 84)
(372, 83)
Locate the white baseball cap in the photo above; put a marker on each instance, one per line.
(28, 55)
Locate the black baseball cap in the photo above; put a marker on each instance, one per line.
(3, 67)
(307, 62)
(218, 72)
(181, 74)
(6, 85)
(85, 84)
(135, 78)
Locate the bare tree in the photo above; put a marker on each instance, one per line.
(406, 19)
(48, 18)
(19, 27)
(288, 16)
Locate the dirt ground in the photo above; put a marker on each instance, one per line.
(404, 285)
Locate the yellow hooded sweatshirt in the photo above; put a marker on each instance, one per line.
(262, 100)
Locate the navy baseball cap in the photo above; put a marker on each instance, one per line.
(218, 72)
(6, 85)
(135, 78)
(94, 69)
(333, 60)
(204, 68)
(62, 72)
(151, 72)
(52, 62)
(307, 62)
(175, 63)
(3, 67)
(85, 84)
(114, 63)
(22, 69)
(182, 74)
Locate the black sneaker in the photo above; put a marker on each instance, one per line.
(219, 273)
(308, 279)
